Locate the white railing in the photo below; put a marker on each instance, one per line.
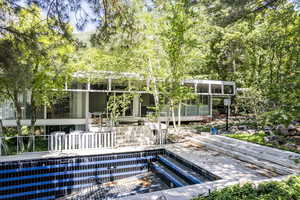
(73, 141)
(60, 141)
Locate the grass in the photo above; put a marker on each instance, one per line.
(276, 190)
(258, 138)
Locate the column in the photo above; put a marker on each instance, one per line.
(136, 105)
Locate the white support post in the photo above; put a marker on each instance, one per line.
(109, 84)
(210, 105)
(87, 115)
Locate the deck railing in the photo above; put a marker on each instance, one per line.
(76, 141)
(73, 141)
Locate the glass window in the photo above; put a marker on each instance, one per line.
(76, 85)
(100, 85)
(216, 88)
(70, 106)
(190, 85)
(228, 89)
(138, 85)
(119, 84)
(202, 88)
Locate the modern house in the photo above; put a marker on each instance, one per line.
(89, 95)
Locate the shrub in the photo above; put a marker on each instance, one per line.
(283, 190)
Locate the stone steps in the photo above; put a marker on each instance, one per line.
(257, 153)
(240, 156)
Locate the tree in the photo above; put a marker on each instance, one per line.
(38, 66)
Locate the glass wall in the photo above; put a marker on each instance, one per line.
(197, 107)
(216, 88)
(202, 88)
(119, 84)
(70, 106)
(228, 89)
(100, 85)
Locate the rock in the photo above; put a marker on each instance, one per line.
(251, 131)
(291, 127)
(268, 132)
(243, 128)
(234, 128)
(296, 139)
(280, 127)
(270, 138)
(274, 140)
(283, 131)
(267, 128)
(290, 146)
(298, 130)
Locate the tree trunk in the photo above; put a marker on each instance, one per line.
(18, 113)
(33, 110)
(156, 100)
(1, 127)
(179, 114)
(18, 120)
(173, 115)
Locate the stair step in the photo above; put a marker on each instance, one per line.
(247, 150)
(261, 163)
(169, 175)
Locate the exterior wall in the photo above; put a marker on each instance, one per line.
(85, 98)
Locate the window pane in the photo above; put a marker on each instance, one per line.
(228, 89)
(216, 88)
(100, 85)
(202, 88)
(117, 84)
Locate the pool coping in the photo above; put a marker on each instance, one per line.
(183, 193)
(72, 153)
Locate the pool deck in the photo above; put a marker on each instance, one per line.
(231, 169)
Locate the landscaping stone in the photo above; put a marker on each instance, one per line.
(269, 132)
(243, 128)
(251, 131)
(267, 128)
(296, 139)
(290, 146)
(272, 138)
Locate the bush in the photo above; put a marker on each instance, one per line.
(284, 190)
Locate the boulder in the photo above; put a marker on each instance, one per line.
(296, 139)
(274, 140)
(267, 128)
(268, 139)
(291, 127)
(269, 132)
(290, 146)
(243, 128)
(251, 131)
(284, 131)
(280, 127)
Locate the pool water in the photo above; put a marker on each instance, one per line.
(98, 176)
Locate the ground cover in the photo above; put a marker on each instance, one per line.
(259, 138)
(279, 190)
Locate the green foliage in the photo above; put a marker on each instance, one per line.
(117, 105)
(284, 190)
(258, 138)
(34, 59)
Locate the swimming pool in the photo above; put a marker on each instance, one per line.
(98, 176)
